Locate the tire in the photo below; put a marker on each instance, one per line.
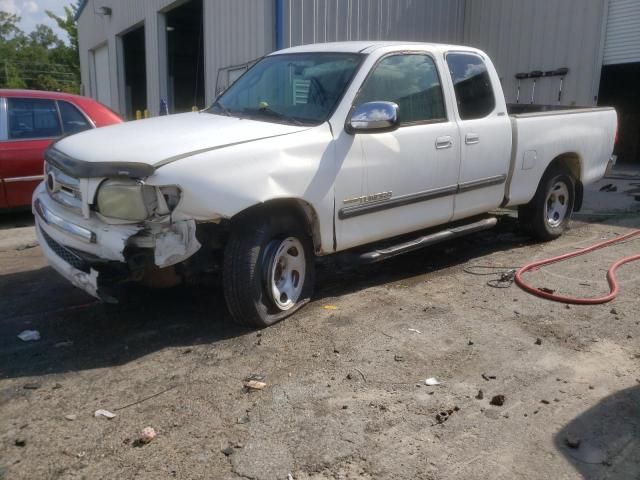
(548, 214)
(260, 248)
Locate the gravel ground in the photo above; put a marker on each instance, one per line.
(345, 393)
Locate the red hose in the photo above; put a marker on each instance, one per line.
(611, 274)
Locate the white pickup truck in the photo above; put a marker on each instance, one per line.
(366, 148)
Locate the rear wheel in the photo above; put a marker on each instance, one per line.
(268, 271)
(548, 214)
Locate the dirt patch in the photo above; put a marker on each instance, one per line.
(337, 403)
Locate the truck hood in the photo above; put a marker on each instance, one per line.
(160, 140)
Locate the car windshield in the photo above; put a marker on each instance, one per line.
(301, 88)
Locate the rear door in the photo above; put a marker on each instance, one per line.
(32, 124)
(485, 134)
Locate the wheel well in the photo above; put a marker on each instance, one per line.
(571, 162)
(289, 206)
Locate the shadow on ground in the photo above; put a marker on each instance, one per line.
(79, 333)
(16, 219)
(604, 441)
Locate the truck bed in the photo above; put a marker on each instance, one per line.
(583, 136)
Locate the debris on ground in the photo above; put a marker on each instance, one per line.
(26, 246)
(146, 435)
(431, 381)
(444, 415)
(70, 417)
(480, 395)
(538, 341)
(488, 377)
(68, 343)
(242, 420)
(414, 330)
(546, 290)
(104, 413)
(31, 386)
(572, 441)
(609, 187)
(545, 402)
(20, 442)
(29, 336)
(613, 311)
(398, 358)
(497, 400)
(227, 451)
(330, 307)
(255, 385)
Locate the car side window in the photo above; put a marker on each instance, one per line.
(412, 82)
(72, 120)
(33, 118)
(471, 82)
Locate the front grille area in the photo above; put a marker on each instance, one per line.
(62, 187)
(66, 254)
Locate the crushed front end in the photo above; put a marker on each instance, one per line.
(100, 225)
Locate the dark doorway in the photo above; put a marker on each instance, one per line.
(619, 89)
(185, 50)
(135, 72)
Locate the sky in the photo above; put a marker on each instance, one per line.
(33, 12)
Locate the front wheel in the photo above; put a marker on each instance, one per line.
(548, 214)
(268, 271)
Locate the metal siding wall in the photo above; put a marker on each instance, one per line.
(235, 32)
(526, 35)
(622, 43)
(94, 30)
(312, 21)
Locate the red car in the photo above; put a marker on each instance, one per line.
(30, 121)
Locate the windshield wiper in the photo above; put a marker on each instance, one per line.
(275, 113)
(224, 109)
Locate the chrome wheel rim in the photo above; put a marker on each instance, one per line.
(286, 273)
(557, 204)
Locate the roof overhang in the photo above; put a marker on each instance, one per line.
(81, 5)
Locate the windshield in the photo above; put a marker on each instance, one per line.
(300, 88)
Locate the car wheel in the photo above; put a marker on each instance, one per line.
(548, 214)
(268, 270)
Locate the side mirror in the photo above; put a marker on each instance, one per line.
(373, 117)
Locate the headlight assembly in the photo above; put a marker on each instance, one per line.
(126, 199)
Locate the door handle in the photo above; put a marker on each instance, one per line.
(444, 142)
(471, 138)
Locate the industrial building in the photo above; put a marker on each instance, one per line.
(145, 54)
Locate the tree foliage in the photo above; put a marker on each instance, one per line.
(40, 60)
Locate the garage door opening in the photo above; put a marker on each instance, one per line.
(619, 89)
(185, 51)
(135, 72)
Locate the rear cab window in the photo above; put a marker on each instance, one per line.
(32, 118)
(472, 85)
(409, 80)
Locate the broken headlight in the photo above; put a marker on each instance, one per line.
(126, 199)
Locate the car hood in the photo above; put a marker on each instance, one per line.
(160, 140)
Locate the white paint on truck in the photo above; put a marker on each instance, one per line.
(354, 188)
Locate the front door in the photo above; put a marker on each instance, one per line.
(32, 125)
(401, 181)
(485, 135)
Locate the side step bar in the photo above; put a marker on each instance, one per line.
(426, 240)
